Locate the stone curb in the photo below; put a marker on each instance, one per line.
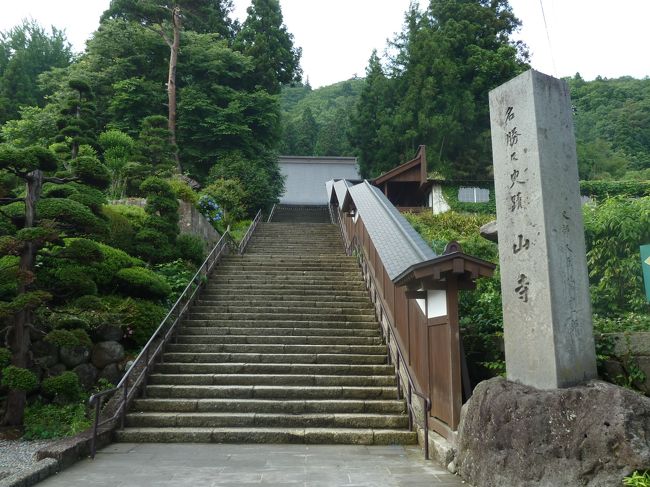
(54, 458)
(32, 475)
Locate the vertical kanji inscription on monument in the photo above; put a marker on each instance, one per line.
(544, 283)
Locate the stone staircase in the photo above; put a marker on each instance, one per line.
(301, 214)
(283, 346)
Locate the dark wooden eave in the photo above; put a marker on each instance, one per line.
(430, 273)
(420, 158)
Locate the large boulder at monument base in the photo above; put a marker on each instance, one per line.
(513, 435)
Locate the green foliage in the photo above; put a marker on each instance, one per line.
(614, 231)
(71, 281)
(26, 51)
(141, 318)
(183, 191)
(606, 189)
(118, 150)
(8, 276)
(230, 195)
(77, 124)
(154, 143)
(121, 231)
(141, 282)
(48, 421)
(330, 108)
(264, 37)
(433, 90)
(86, 195)
(261, 181)
(91, 171)
(19, 379)
(70, 215)
(625, 322)
(177, 274)
(612, 122)
(638, 479)
(69, 338)
(36, 126)
(191, 248)
(5, 357)
(65, 385)
(135, 214)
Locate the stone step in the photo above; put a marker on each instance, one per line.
(268, 435)
(284, 286)
(342, 283)
(246, 265)
(274, 348)
(248, 259)
(280, 368)
(285, 274)
(279, 295)
(284, 300)
(270, 392)
(314, 309)
(242, 288)
(272, 380)
(278, 324)
(252, 315)
(307, 358)
(331, 406)
(210, 328)
(264, 420)
(279, 339)
(230, 295)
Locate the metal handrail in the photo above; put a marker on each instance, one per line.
(390, 330)
(271, 214)
(249, 232)
(158, 339)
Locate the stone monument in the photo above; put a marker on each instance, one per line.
(549, 339)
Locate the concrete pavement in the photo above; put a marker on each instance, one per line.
(222, 465)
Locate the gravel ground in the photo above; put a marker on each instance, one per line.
(18, 454)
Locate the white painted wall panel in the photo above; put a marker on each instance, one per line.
(306, 178)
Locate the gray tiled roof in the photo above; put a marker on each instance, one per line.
(341, 187)
(398, 244)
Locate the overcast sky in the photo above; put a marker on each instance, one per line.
(593, 37)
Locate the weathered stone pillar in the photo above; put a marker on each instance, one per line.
(546, 307)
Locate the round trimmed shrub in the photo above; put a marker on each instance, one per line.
(68, 338)
(142, 318)
(141, 282)
(19, 379)
(66, 385)
(72, 282)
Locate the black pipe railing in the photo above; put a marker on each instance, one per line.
(271, 214)
(249, 232)
(138, 372)
(388, 333)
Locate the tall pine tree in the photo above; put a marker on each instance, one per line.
(264, 37)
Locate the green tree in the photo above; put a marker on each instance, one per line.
(167, 18)
(77, 124)
(220, 108)
(307, 132)
(447, 60)
(371, 120)
(264, 37)
(118, 150)
(38, 220)
(26, 51)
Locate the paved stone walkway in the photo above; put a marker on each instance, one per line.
(207, 465)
